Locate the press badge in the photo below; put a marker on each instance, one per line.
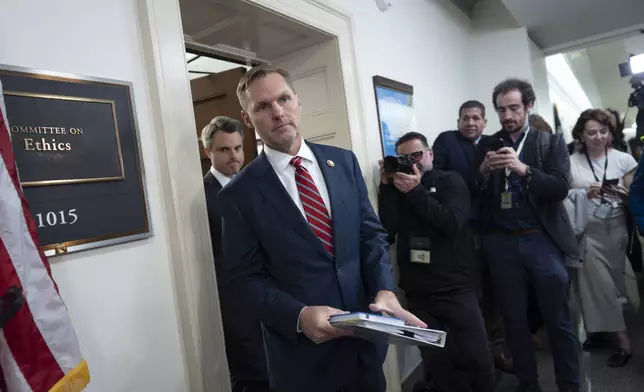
(506, 200)
(420, 250)
(604, 210)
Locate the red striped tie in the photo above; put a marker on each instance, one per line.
(316, 212)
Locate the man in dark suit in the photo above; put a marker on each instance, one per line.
(302, 242)
(456, 151)
(222, 141)
(523, 180)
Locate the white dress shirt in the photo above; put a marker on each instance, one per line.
(281, 163)
(223, 179)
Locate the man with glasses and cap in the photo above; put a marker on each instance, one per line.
(428, 209)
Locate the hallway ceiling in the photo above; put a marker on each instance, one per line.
(596, 70)
(467, 6)
(553, 23)
(242, 25)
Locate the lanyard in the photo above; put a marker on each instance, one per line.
(519, 149)
(590, 164)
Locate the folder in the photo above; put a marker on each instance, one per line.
(388, 330)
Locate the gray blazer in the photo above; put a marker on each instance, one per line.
(577, 206)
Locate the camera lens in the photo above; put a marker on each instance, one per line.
(390, 164)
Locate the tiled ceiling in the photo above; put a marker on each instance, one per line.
(242, 25)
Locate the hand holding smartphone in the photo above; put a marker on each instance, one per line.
(612, 187)
(494, 144)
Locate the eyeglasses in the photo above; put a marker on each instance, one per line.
(415, 156)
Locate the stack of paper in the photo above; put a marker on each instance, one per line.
(388, 330)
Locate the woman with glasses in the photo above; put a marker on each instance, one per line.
(606, 174)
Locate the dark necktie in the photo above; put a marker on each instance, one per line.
(316, 212)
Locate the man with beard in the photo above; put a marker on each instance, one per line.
(428, 210)
(526, 235)
(222, 141)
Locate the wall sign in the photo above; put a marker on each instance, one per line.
(77, 151)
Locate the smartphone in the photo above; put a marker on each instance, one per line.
(609, 183)
(494, 144)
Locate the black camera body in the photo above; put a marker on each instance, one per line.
(398, 164)
(636, 99)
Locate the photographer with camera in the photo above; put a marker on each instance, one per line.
(429, 210)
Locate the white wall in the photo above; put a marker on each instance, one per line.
(120, 298)
(424, 43)
(543, 105)
(582, 68)
(500, 50)
(566, 92)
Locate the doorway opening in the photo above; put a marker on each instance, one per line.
(225, 38)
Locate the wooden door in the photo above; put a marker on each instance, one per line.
(317, 79)
(216, 95)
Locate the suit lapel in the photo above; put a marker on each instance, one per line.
(212, 183)
(272, 189)
(467, 151)
(332, 178)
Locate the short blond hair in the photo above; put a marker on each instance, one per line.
(259, 72)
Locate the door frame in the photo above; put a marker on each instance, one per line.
(188, 238)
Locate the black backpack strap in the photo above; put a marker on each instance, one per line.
(544, 145)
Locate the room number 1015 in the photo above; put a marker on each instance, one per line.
(57, 218)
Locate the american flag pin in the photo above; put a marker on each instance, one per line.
(330, 163)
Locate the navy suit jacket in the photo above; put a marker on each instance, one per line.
(636, 196)
(282, 266)
(453, 152)
(242, 331)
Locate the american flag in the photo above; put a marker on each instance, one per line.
(39, 351)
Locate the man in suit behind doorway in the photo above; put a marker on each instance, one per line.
(303, 243)
(222, 141)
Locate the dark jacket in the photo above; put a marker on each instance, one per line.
(437, 209)
(280, 265)
(242, 328)
(212, 188)
(548, 157)
(453, 152)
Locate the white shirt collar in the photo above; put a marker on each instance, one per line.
(281, 161)
(223, 179)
